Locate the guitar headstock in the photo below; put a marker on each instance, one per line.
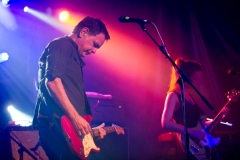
(119, 130)
(233, 95)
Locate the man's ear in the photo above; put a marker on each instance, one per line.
(83, 32)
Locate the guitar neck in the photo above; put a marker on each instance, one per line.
(95, 132)
(218, 118)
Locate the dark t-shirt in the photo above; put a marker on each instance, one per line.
(193, 113)
(61, 59)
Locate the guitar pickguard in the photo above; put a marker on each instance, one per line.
(89, 145)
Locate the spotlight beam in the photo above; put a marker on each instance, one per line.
(7, 19)
(5, 3)
(49, 20)
(19, 117)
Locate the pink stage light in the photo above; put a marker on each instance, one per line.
(64, 16)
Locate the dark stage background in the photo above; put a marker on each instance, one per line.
(129, 66)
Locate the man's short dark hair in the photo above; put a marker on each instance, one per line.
(95, 26)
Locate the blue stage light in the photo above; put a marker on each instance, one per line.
(26, 9)
(3, 57)
(5, 3)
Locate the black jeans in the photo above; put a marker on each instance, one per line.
(53, 141)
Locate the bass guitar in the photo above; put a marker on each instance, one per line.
(199, 148)
(82, 146)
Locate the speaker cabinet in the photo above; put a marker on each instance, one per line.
(104, 110)
(18, 143)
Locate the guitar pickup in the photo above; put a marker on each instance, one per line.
(197, 142)
(194, 149)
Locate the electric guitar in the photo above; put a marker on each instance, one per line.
(198, 148)
(82, 146)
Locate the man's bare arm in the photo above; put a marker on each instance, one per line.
(58, 93)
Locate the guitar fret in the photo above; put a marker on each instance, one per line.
(109, 129)
(95, 132)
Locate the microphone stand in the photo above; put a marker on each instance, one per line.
(183, 78)
(22, 149)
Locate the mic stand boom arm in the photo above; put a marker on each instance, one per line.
(183, 78)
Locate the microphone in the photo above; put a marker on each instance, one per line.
(125, 19)
(233, 72)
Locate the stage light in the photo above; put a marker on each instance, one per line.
(3, 57)
(45, 17)
(63, 16)
(5, 3)
(10, 108)
(26, 9)
(18, 117)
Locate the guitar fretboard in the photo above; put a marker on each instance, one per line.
(218, 118)
(95, 132)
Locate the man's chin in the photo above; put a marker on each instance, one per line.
(87, 54)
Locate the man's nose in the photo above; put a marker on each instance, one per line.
(94, 50)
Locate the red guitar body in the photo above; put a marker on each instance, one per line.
(80, 146)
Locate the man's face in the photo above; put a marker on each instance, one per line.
(88, 44)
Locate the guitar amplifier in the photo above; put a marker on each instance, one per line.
(18, 142)
(104, 110)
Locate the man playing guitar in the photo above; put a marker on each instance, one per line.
(61, 89)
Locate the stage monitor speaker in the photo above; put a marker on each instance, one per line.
(21, 143)
(104, 110)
